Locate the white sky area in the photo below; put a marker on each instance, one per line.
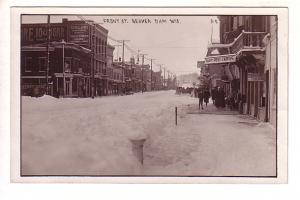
(177, 46)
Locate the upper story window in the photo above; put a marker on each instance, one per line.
(42, 64)
(28, 64)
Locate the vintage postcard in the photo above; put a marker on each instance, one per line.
(149, 95)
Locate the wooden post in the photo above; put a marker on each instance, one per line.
(137, 149)
(176, 115)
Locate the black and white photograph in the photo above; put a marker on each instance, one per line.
(149, 95)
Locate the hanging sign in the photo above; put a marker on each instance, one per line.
(220, 59)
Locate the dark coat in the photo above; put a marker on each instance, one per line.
(206, 96)
(200, 94)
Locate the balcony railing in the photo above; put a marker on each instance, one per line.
(246, 41)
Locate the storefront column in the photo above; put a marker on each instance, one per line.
(255, 95)
(248, 97)
(70, 87)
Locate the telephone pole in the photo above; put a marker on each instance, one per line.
(93, 90)
(48, 54)
(123, 55)
(168, 81)
(118, 45)
(142, 68)
(151, 74)
(164, 77)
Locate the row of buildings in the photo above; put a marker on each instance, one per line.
(74, 59)
(244, 64)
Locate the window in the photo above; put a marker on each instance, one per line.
(68, 62)
(98, 45)
(42, 64)
(102, 44)
(28, 64)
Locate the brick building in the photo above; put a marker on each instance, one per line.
(80, 45)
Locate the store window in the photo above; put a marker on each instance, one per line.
(42, 64)
(28, 64)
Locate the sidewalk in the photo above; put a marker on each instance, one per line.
(212, 142)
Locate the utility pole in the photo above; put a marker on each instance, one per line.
(123, 56)
(138, 57)
(168, 82)
(63, 61)
(93, 88)
(151, 74)
(164, 77)
(118, 45)
(48, 54)
(143, 59)
(161, 82)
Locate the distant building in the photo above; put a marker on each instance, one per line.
(118, 85)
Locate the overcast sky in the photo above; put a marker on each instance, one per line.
(178, 46)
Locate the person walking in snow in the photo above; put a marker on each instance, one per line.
(213, 95)
(206, 97)
(200, 96)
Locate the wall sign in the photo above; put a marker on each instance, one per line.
(220, 59)
(255, 77)
(79, 34)
(37, 33)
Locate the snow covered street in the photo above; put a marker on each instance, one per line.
(92, 137)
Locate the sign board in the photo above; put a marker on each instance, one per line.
(37, 33)
(200, 64)
(79, 34)
(255, 77)
(220, 59)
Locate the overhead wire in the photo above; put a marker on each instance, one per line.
(115, 40)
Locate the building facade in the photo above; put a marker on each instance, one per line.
(68, 75)
(246, 57)
(77, 37)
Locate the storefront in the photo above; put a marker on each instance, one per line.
(68, 73)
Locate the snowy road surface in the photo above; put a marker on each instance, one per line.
(92, 137)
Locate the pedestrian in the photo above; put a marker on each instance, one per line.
(200, 96)
(222, 98)
(206, 97)
(213, 95)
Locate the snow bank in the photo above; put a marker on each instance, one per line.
(92, 137)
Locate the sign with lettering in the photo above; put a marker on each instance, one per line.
(220, 59)
(255, 77)
(79, 34)
(37, 33)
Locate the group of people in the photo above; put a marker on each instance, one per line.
(218, 97)
(203, 95)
